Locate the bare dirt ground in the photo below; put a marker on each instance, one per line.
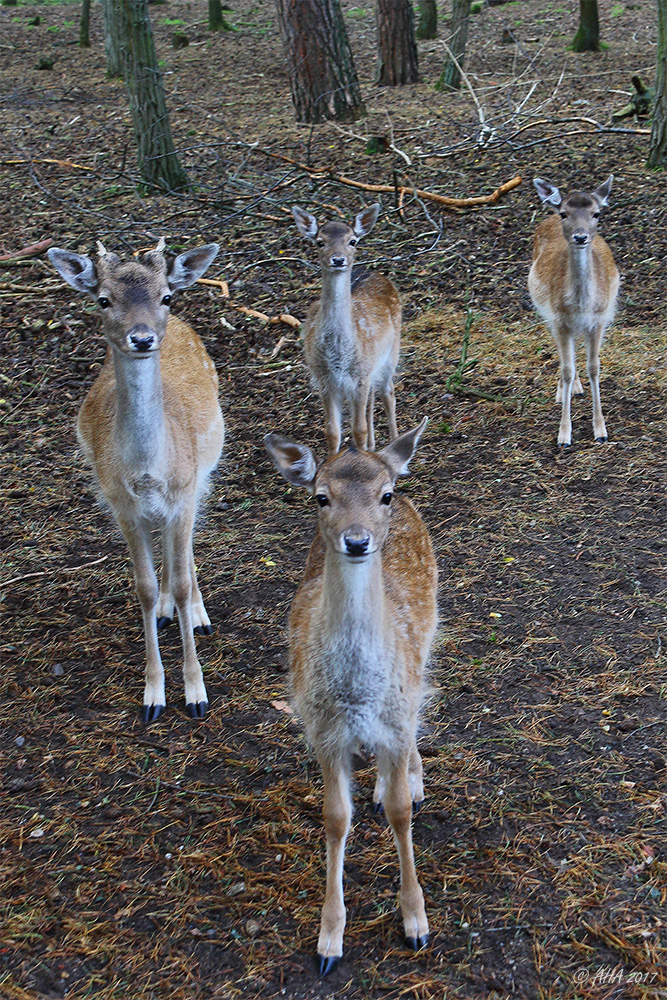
(185, 859)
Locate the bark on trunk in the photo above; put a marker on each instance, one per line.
(458, 35)
(657, 154)
(397, 49)
(319, 60)
(216, 20)
(84, 25)
(587, 38)
(158, 163)
(112, 38)
(428, 19)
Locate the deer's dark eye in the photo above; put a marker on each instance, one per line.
(387, 498)
(353, 243)
(563, 215)
(166, 299)
(103, 302)
(322, 499)
(596, 215)
(320, 243)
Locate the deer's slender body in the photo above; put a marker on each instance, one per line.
(360, 632)
(353, 334)
(152, 430)
(573, 282)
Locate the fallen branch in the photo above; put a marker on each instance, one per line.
(224, 289)
(60, 163)
(402, 189)
(31, 251)
(52, 572)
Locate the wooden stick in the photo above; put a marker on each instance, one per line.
(31, 251)
(224, 288)
(60, 163)
(439, 199)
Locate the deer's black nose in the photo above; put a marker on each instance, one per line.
(581, 239)
(338, 261)
(356, 544)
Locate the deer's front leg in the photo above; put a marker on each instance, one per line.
(593, 343)
(332, 421)
(360, 421)
(141, 549)
(337, 813)
(178, 543)
(565, 344)
(397, 802)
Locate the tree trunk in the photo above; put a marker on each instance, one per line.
(428, 19)
(112, 38)
(319, 60)
(84, 25)
(657, 153)
(587, 38)
(158, 163)
(450, 78)
(397, 49)
(216, 20)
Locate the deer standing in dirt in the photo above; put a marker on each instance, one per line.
(573, 283)
(360, 633)
(152, 430)
(353, 334)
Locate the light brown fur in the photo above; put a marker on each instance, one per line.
(360, 632)
(573, 283)
(152, 430)
(353, 333)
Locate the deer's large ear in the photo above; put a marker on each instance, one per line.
(190, 266)
(77, 270)
(365, 221)
(295, 462)
(305, 222)
(549, 193)
(602, 193)
(398, 454)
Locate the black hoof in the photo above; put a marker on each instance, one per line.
(378, 809)
(164, 622)
(327, 965)
(416, 806)
(416, 944)
(198, 710)
(203, 630)
(150, 713)
(602, 440)
(564, 446)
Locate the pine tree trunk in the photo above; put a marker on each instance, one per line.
(587, 38)
(84, 25)
(428, 19)
(112, 38)
(216, 21)
(397, 49)
(319, 60)
(158, 163)
(450, 78)
(657, 154)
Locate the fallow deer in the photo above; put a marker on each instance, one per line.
(360, 632)
(573, 283)
(353, 334)
(152, 430)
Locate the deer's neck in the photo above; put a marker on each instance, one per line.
(353, 594)
(581, 273)
(336, 302)
(140, 420)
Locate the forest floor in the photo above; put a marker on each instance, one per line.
(184, 859)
